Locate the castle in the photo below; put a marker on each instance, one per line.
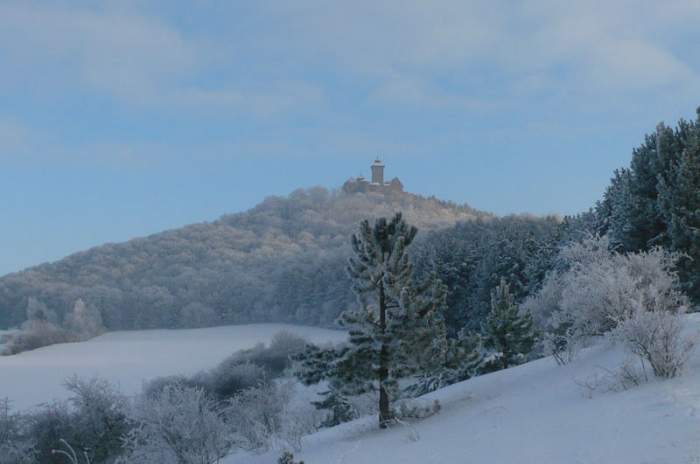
(377, 184)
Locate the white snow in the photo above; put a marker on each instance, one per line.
(129, 358)
(536, 413)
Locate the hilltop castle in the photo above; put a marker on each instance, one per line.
(377, 184)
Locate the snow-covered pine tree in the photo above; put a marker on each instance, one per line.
(381, 274)
(679, 195)
(436, 359)
(508, 332)
(340, 410)
(397, 332)
(316, 364)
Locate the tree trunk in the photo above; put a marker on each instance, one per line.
(384, 407)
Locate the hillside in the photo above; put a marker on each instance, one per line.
(281, 261)
(534, 413)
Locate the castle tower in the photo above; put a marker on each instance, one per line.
(378, 172)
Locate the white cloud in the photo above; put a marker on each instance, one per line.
(133, 57)
(125, 55)
(408, 47)
(466, 55)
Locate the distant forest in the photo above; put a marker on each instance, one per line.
(285, 259)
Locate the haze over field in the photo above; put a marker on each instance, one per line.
(130, 359)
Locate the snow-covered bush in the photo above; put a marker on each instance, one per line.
(594, 291)
(51, 423)
(99, 417)
(94, 418)
(227, 380)
(155, 387)
(180, 426)
(16, 446)
(656, 337)
(241, 371)
(276, 357)
(262, 419)
(416, 409)
(42, 327)
(35, 334)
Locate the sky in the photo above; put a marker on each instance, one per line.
(122, 118)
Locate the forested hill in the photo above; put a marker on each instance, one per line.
(280, 261)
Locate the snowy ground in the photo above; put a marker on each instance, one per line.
(536, 413)
(130, 358)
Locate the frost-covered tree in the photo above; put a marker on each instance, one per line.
(84, 321)
(508, 331)
(472, 257)
(655, 201)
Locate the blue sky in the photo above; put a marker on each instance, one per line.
(123, 118)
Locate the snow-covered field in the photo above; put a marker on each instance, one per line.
(533, 414)
(130, 358)
(536, 413)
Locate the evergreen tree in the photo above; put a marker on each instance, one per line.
(396, 324)
(508, 332)
(381, 272)
(339, 408)
(656, 201)
(680, 204)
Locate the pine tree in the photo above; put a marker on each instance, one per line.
(680, 204)
(395, 327)
(380, 271)
(339, 408)
(508, 332)
(438, 360)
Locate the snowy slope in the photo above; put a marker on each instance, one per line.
(536, 413)
(129, 358)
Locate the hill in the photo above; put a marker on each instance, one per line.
(281, 261)
(538, 412)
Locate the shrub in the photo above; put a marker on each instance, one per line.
(276, 357)
(99, 417)
(16, 445)
(182, 425)
(417, 409)
(228, 380)
(594, 291)
(48, 426)
(259, 417)
(94, 419)
(656, 338)
(155, 387)
(36, 334)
